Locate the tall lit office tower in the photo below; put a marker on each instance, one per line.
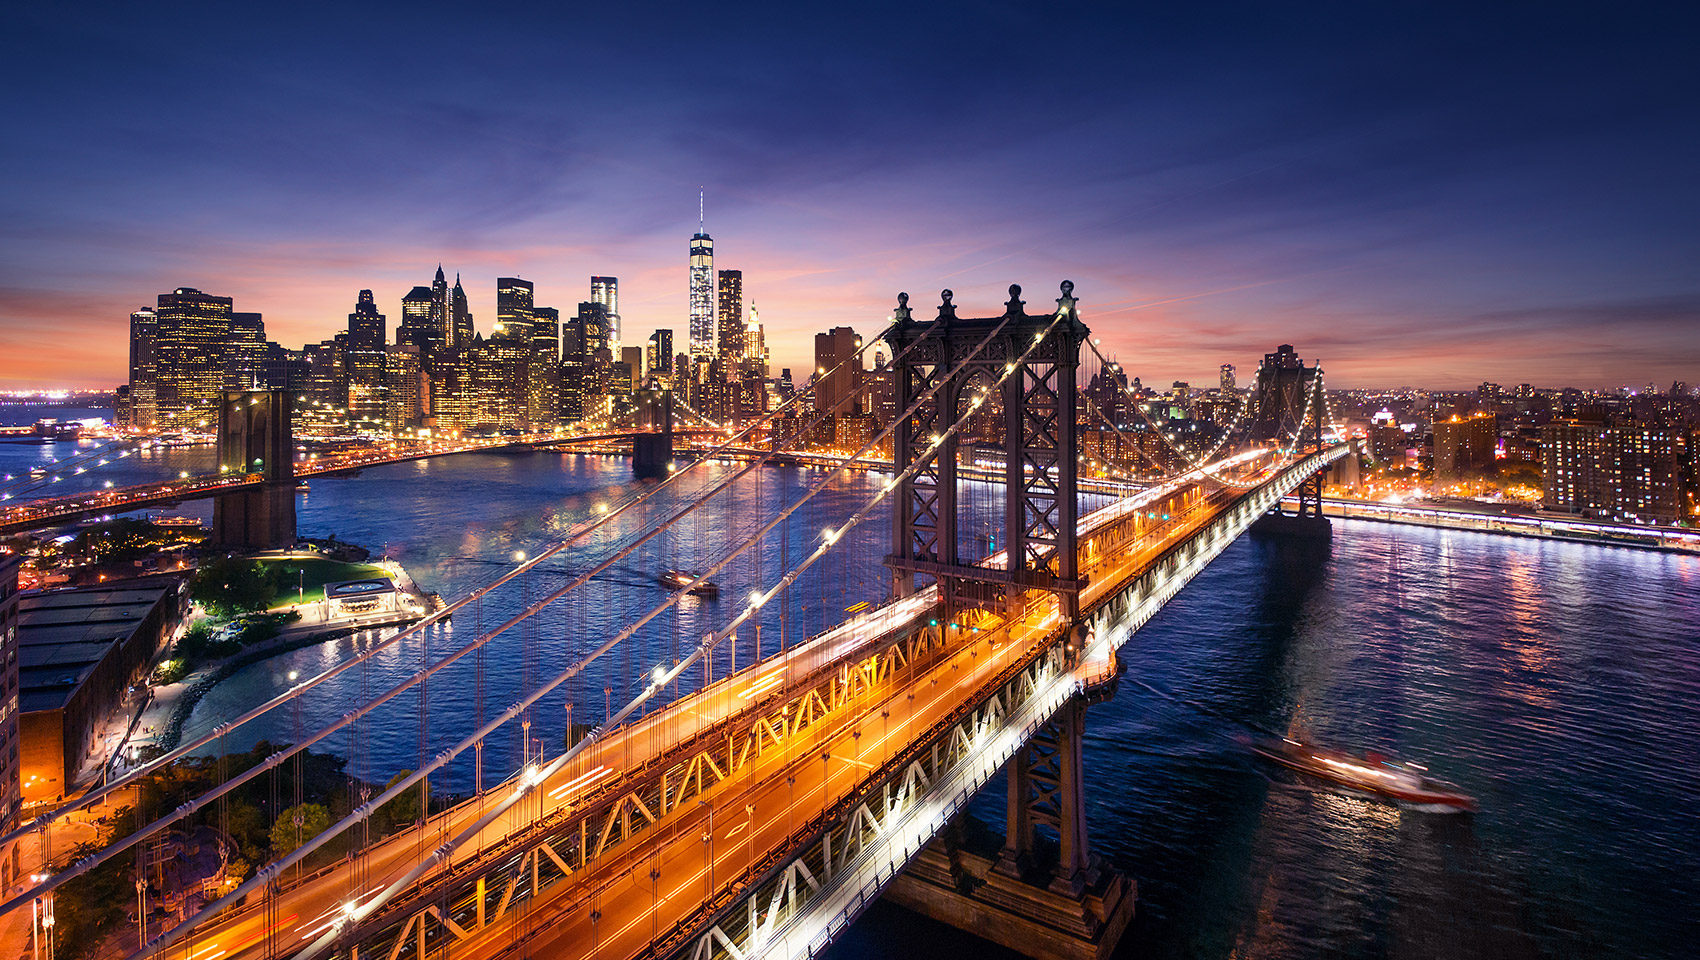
(1227, 382)
(368, 391)
(418, 325)
(543, 394)
(245, 352)
(755, 345)
(702, 294)
(513, 307)
(729, 320)
(460, 318)
(366, 324)
(661, 353)
(440, 306)
(837, 375)
(606, 291)
(144, 328)
(190, 349)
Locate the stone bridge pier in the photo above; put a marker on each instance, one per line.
(652, 453)
(254, 438)
(1052, 900)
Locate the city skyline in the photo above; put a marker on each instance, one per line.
(1476, 203)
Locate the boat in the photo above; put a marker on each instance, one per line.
(302, 486)
(1372, 773)
(680, 579)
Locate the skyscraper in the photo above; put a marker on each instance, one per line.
(1227, 381)
(366, 324)
(702, 292)
(460, 330)
(834, 349)
(606, 291)
(440, 307)
(514, 300)
(543, 399)
(419, 324)
(190, 348)
(661, 353)
(368, 390)
(729, 320)
(144, 328)
(755, 345)
(245, 352)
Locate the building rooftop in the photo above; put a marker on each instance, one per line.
(63, 636)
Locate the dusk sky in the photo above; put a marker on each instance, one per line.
(1415, 196)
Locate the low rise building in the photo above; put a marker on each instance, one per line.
(79, 652)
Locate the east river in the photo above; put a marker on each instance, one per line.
(1557, 682)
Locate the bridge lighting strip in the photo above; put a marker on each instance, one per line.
(88, 863)
(536, 775)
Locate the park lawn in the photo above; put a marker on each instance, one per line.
(317, 571)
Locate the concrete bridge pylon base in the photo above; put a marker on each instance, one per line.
(955, 886)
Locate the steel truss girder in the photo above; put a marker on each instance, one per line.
(509, 877)
(1041, 451)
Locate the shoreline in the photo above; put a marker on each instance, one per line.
(1434, 517)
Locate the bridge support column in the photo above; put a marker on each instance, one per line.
(652, 453)
(254, 437)
(1074, 907)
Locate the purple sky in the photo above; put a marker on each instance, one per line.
(1414, 196)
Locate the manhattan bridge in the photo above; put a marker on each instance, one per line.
(735, 793)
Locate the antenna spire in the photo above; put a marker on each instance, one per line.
(701, 220)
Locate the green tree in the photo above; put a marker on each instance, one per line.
(297, 825)
(231, 586)
(404, 810)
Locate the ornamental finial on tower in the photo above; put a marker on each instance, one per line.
(1066, 302)
(1013, 307)
(901, 314)
(947, 310)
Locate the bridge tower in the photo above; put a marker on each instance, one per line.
(1075, 907)
(652, 445)
(1289, 407)
(1041, 450)
(254, 438)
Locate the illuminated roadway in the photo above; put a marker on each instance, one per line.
(667, 875)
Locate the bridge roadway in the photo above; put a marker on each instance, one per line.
(36, 514)
(634, 893)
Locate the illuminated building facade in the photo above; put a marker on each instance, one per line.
(1464, 447)
(606, 291)
(11, 786)
(543, 397)
(729, 320)
(833, 351)
(702, 295)
(191, 346)
(1226, 383)
(144, 369)
(418, 325)
(660, 358)
(1626, 471)
(368, 400)
(755, 345)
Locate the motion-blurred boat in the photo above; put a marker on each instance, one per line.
(680, 579)
(1371, 773)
